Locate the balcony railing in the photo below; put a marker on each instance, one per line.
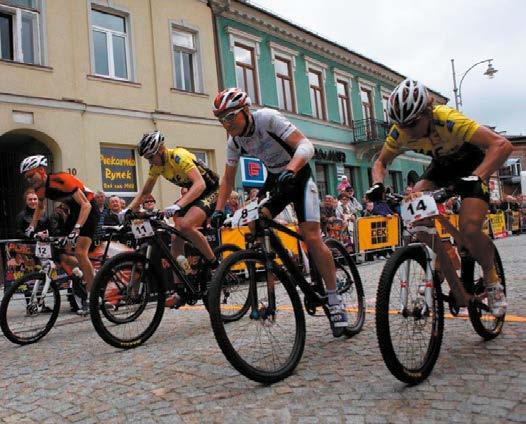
(370, 130)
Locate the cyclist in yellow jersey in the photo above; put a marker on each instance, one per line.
(464, 154)
(190, 212)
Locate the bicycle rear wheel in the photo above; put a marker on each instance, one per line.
(266, 343)
(26, 313)
(234, 290)
(484, 322)
(127, 301)
(409, 337)
(349, 285)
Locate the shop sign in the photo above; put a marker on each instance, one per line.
(253, 172)
(119, 170)
(329, 155)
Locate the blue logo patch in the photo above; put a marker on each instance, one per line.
(450, 125)
(177, 159)
(395, 134)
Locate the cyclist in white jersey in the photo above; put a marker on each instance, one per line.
(267, 135)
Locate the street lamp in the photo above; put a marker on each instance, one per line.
(490, 72)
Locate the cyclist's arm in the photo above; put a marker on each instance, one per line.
(497, 151)
(85, 206)
(146, 189)
(226, 186)
(197, 188)
(303, 150)
(379, 170)
(37, 214)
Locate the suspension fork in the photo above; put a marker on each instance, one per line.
(46, 270)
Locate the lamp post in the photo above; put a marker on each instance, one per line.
(490, 72)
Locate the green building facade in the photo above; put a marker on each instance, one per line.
(335, 96)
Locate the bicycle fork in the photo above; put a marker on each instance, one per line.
(35, 304)
(268, 312)
(425, 288)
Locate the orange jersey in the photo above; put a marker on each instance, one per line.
(61, 187)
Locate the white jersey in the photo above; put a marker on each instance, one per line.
(266, 143)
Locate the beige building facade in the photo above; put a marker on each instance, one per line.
(82, 80)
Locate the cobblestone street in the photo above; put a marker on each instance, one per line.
(180, 375)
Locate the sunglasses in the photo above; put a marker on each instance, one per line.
(30, 174)
(150, 201)
(229, 117)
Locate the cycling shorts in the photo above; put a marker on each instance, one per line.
(206, 202)
(89, 227)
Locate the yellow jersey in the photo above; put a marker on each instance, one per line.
(177, 165)
(450, 129)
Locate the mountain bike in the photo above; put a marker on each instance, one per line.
(410, 301)
(266, 342)
(127, 300)
(31, 305)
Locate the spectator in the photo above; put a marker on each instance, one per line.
(354, 204)
(408, 190)
(369, 206)
(232, 203)
(343, 184)
(148, 203)
(100, 199)
(58, 220)
(327, 212)
(123, 203)
(25, 217)
(252, 194)
(112, 218)
(344, 210)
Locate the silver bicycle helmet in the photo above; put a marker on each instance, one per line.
(32, 162)
(150, 143)
(407, 102)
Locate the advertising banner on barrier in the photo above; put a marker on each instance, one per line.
(498, 225)
(377, 232)
(441, 230)
(515, 221)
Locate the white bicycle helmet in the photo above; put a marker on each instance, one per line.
(231, 98)
(407, 102)
(150, 143)
(32, 162)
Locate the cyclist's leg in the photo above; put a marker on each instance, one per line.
(189, 226)
(81, 253)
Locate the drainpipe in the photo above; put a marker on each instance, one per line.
(216, 11)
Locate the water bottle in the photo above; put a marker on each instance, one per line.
(183, 263)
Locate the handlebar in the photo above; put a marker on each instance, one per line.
(440, 195)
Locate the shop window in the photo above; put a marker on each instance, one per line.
(322, 180)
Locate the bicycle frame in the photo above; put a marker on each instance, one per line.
(314, 292)
(432, 246)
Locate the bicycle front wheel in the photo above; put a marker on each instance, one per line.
(27, 313)
(127, 301)
(409, 330)
(484, 322)
(349, 285)
(235, 291)
(266, 343)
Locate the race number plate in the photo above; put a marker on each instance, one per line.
(243, 216)
(43, 250)
(142, 228)
(418, 208)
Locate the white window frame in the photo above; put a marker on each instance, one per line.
(127, 42)
(384, 94)
(198, 63)
(253, 41)
(290, 55)
(201, 152)
(320, 67)
(16, 12)
(348, 78)
(371, 87)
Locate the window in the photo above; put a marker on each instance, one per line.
(284, 84)
(186, 60)
(201, 155)
(396, 181)
(367, 103)
(20, 31)
(322, 180)
(317, 99)
(110, 45)
(342, 89)
(246, 75)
